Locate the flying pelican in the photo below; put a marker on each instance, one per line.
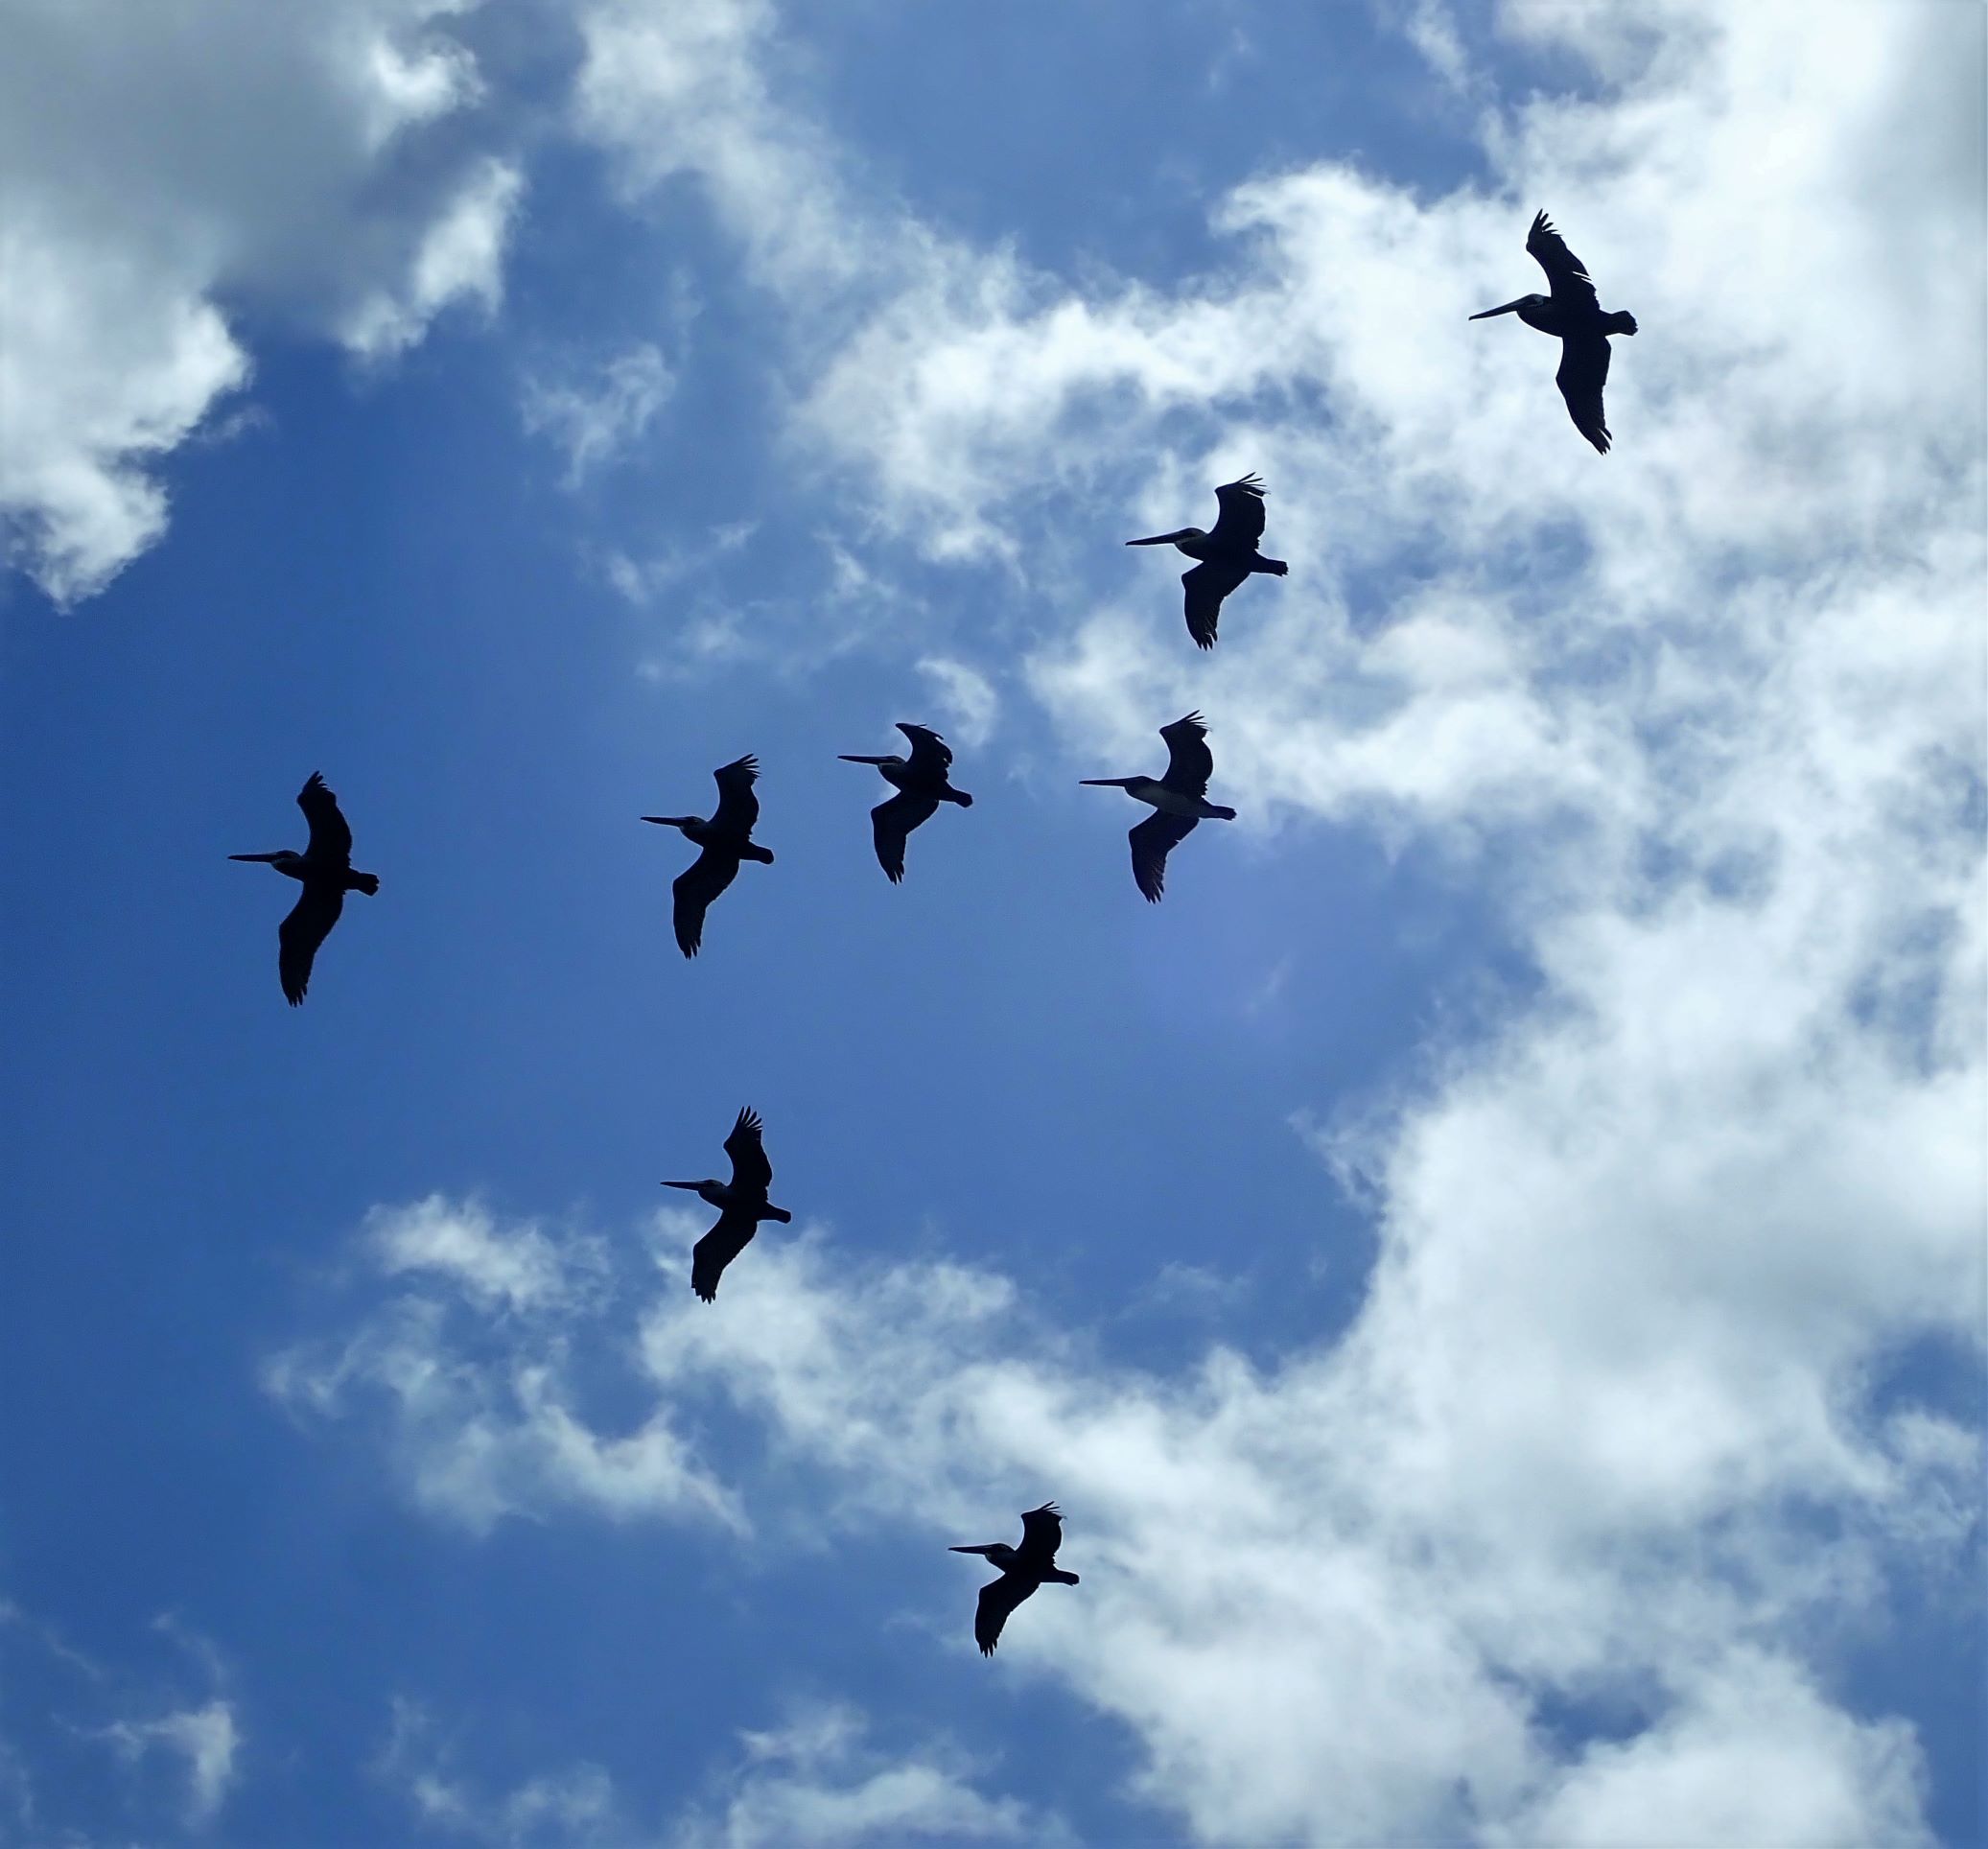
(1180, 797)
(1228, 555)
(1575, 314)
(726, 839)
(741, 1205)
(1023, 1569)
(324, 868)
(920, 781)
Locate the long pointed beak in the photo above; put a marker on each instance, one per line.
(967, 1550)
(691, 1186)
(1157, 539)
(1489, 312)
(1102, 783)
(256, 856)
(667, 821)
(848, 760)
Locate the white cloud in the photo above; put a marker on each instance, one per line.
(972, 706)
(206, 1738)
(595, 424)
(166, 171)
(576, 1804)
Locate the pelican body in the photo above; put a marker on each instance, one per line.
(1228, 555)
(324, 871)
(726, 838)
(1574, 315)
(1023, 1570)
(741, 1203)
(1180, 798)
(921, 783)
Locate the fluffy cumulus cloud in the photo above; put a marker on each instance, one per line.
(1704, 716)
(164, 169)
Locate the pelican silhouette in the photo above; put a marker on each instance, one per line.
(324, 868)
(1228, 555)
(922, 786)
(1573, 313)
(726, 839)
(741, 1205)
(1180, 797)
(1023, 1569)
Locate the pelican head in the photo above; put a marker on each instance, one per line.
(1506, 309)
(998, 1552)
(1170, 539)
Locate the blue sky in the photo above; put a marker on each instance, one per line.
(1492, 1267)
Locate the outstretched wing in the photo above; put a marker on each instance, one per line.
(1189, 762)
(931, 757)
(1565, 272)
(749, 1168)
(329, 837)
(1207, 584)
(1240, 523)
(300, 935)
(1583, 372)
(891, 821)
(716, 1249)
(1041, 1535)
(739, 809)
(1152, 841)
(695, 888)
(997, 1599)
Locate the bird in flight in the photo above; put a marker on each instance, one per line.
(922, 786)
(726, 839)
(324, 870)
(1228, 555)
(1575, 314)
(1179, 797)
(1023, 1569)
(741, 1203)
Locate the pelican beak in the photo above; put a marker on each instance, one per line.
(270, 858)
(692, 1186)
(846, 758)
(967, 1550)
(1102, 783)
(1157, 539)
(1489, 312)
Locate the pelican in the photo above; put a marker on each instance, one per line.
(324, 868)
(1575, 314)
(920, 781)
(1180, 797)
(726, 839)
(1228, 555)
(1023, 1569)
(741, 1205)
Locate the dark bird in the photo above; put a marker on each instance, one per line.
(726, 838)
(1023, 1569)
(1180, 797)
(1573, 313)
(1228, 555)
(324, 870)
(921, 784)
(741, 1205)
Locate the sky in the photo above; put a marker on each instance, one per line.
(1492, 1269)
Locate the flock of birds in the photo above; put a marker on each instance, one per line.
(1226, 557)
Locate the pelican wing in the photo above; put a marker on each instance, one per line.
(329, 837)
(1240, 524)
(1190, 764)
(716, 1249)
(297, 938)
(931, 757)
(1565, 272)
(1152, 841)
(1207, 584)
(739, 809)
(750, 1171)
(1583, 372)
(695, 888)
(997, 1599)
(891, 821)
(1041, 1535)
